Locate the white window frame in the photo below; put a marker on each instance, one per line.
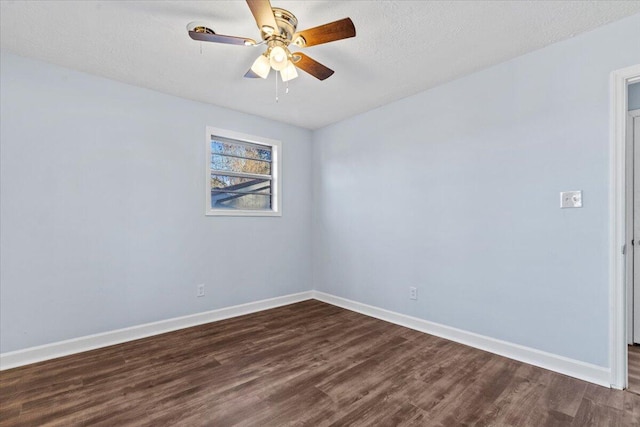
(276, 173)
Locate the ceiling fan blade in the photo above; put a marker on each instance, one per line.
(263, 14)
(219, 38)
(311, 66)
(251, 75)
(337, 30)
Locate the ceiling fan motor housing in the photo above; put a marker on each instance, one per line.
(287, 24)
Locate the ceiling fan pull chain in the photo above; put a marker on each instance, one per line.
(287, 90)
(276, 74)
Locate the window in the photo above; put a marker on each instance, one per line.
(243, 174)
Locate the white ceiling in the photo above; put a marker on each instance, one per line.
(401, 47)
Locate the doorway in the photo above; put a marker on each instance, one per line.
(620, 248)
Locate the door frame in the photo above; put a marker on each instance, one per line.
(629, 222)
(619, 81)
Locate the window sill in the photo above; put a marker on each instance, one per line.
(232, 212)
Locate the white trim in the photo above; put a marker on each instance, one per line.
(629, 207)
(276, 171)
(564, 365)
(574, 368)
(77, 345)
(620, 79)
(629, 249)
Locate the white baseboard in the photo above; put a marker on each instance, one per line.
(574, 368)
(564, 365)
(77, 345)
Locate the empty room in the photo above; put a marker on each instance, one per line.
(319, 213)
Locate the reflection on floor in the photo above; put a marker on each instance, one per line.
(634, 368)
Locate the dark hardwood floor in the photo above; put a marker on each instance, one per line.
(634, 368)
(305, 364)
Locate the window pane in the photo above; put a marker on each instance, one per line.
(241, 150)
(223, 183)
(234, 164)
(240, 201)
(230, 192)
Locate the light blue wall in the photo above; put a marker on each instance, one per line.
(102, 219)
(634, 96)
(102, 225)
(461, 199)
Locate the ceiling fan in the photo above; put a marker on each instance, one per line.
(278, 31)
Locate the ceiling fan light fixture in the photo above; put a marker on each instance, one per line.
(289, 72)
(278, 58)
(261, 66)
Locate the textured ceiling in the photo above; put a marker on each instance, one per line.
(401, 47)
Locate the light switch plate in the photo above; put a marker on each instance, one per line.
(571, 199)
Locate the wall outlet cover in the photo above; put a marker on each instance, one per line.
(571, 199)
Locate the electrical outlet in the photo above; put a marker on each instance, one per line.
(413, 293)
(200, 291)
(571, 199)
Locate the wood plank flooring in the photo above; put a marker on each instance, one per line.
(304, 364)
(634, 368)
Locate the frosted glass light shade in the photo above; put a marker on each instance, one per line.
(278, 58)
(261, 66)
(289, 72)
